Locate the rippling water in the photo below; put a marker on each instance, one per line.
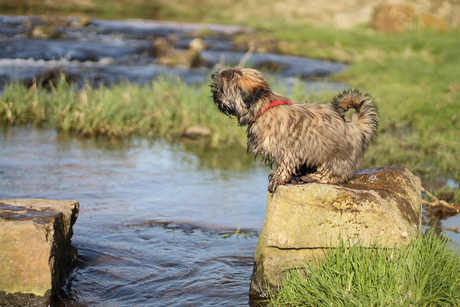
(159, 226)
(112, 51)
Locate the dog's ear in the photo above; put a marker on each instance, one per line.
(251, 91)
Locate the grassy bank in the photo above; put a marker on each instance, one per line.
(425, 273)
(164, 109)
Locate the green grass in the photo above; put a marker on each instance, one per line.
(425, 273)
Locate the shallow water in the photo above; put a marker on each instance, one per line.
(158, 226)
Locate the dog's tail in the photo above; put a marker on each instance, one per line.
(366, 115)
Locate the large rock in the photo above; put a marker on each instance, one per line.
(393, 17)
(379, 207)
(36, 254)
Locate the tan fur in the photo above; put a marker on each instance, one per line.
(315, 142)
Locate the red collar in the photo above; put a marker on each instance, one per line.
(274, 103)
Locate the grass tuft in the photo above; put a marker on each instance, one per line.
(424, 273)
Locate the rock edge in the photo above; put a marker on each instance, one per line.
(36, 255)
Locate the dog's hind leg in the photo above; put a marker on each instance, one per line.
(324, 176)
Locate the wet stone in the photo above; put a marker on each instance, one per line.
(36, 254)
(379, 207)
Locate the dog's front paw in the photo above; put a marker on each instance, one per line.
(272, 185)
(276, 179)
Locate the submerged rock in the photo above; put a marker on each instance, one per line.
(36, 254)
(50, 78)
(161, 46)
(378, 208)
(46, 32)
(80, 22)
(167, 55)
(195, 132)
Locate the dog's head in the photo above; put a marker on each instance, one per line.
(236, 92)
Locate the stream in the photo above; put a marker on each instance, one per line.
(112, 51)
(161, 224)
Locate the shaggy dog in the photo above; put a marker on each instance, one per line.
(314, 142)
